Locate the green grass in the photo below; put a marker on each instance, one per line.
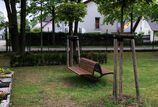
(56, 86)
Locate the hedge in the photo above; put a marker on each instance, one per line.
(55, 58)
(86, 39)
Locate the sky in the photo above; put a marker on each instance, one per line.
(3, 9)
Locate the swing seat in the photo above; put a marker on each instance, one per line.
(88, 67)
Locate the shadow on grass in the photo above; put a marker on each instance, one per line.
(84, 82)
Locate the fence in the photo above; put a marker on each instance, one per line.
(58, 40)
(88, 39)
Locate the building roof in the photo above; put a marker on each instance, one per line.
(153, 25)
(87, 1)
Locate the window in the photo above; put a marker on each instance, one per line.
(141, 28)
(80, 30)
(106, 30)
(66, 30)
(149, 32)
(97, 22)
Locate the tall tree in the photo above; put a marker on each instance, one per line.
(52, 9)
(2, 25)
(69, 12)
(41, 21)
(22, 27)
(13, 25)
(125, 10)
(111, 9)
(38, 8)
(49, 10)
(76, 23)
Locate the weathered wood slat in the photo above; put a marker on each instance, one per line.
(105, 71)
(87, 67)
(79, 71)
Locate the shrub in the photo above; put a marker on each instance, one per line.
(36, 30)
(55, 58)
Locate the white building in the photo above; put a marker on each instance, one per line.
(93, 22)
(47, 26)
(148, 28)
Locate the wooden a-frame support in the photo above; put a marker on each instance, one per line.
(72, 39)
(115, 86)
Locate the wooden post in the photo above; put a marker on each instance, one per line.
(78, 47)
(121, 69)
(115, 70)
(71, 51)
(135, 68)
(68, 64)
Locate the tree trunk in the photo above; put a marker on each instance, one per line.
(22, 27)
(71, 42)
(76, 28)
(137, 22)
(41, 28)
(76, 23)
(15, 34)
(53, 24)
(13, 26)
(6, 38)
(132, 21)
(122, 23)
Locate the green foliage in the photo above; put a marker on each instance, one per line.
(56, 58)
(5, 71)
(47, 6)
(2, 25)
(140, 35)
(27, 28)
(71, 11)
(1, 17)
(111, 9)
(153, 12)
(36, 30)
(86, 39)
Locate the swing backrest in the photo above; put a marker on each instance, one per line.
(87, 65)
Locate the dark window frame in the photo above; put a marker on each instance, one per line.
(97, 22)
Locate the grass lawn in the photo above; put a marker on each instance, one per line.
(56, 86)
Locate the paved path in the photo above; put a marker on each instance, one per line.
(2, 45)
(86, 49)
(3, 48)
(2, 42)
(95, 49)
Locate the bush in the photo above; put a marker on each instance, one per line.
(36, 30)
(55, 58)
(86, 39)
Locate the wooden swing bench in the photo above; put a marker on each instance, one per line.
(88, 67)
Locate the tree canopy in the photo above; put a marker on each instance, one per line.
(111, 9)
(71, 11)
(1, 20)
